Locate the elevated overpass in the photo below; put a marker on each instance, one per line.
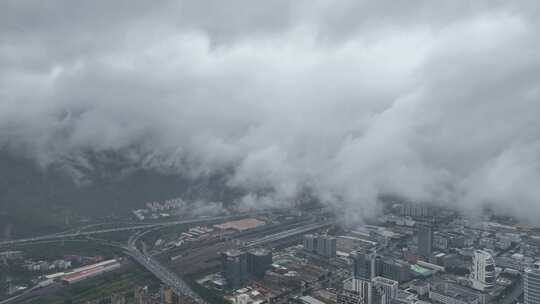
(59, 236)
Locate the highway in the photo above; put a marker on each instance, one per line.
(169, 278)
(146, 260)
(164, 275)
(287, 234)
(119, 229)
(178, 285)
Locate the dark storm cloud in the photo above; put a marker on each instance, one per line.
(438, 103)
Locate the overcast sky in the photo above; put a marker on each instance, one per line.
(434, 100)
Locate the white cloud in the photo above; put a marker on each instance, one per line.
(348, 101)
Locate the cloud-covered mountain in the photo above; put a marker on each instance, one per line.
(346, 100)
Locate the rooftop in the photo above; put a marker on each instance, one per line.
(260, 251)
(419, 283)
(419, 269)
(384, 280)
(310, 300)
(233, 252)
(242, 224)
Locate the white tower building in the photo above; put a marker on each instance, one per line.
(386, 289)
(531, 284)
(483, 273)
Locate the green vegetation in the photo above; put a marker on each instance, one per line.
(57, 250)
(50, 251)
(120, 283)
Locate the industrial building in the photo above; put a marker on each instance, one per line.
(83, 273)
(240, 225)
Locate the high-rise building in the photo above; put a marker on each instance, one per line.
(234, 263)
(310, 242)
(320, 244)
(425, 241)
(366, 265)
(258, 262)
(361, 265)
(483, 273)
(396, 270)
(384, 290)
(531, 284)
(326, 246)
(359, 286)
(414, 210)
(445, 240)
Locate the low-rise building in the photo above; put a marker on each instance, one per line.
(421, 287)
(448, 293)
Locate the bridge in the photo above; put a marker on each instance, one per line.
(164, 275)
(79, 233)
(177, 284)
(287, 234)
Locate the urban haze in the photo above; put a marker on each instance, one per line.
(303, 152)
